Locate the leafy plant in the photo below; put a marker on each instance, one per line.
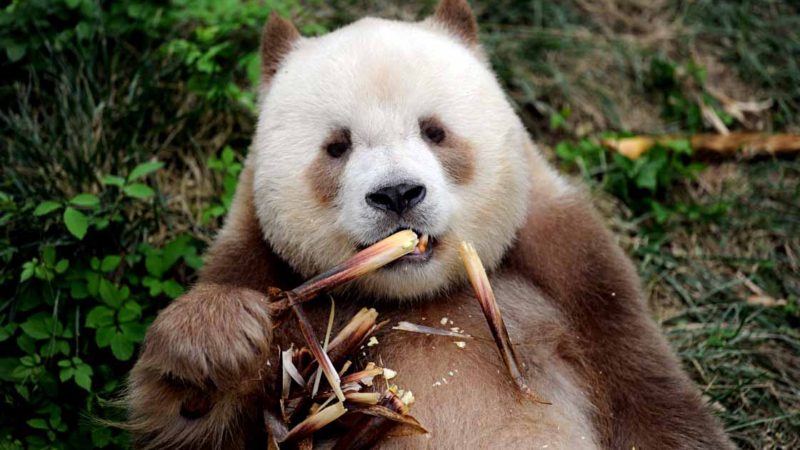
(642, 184)
(229, 167)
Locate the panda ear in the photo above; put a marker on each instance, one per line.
(457, 17)
(277, 39)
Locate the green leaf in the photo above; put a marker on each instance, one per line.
(154, 265)
(26, 344)
(66, 374)
(27, 271)
(83, 377)
(87, 200)
(7, 367)
(153, 284)
(6, 332)
(134, 331)
(46, 207)
(144, 169)
(110, 263)
(138, 190)
(646, 178)
(121, 347)
(104, 335)
(49, 255)
(15, 51)
(36, 327)
(76, 222)
(100, 316)
(110, 294)
(129, 312)
(62, 266)
(172, 288)
(39, 424)
(113, 180)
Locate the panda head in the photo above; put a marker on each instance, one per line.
(381, 126)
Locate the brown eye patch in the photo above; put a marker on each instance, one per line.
(325, 171)
(454, 152)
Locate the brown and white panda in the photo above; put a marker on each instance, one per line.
(384, 125)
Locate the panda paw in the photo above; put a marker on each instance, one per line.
(201, 369)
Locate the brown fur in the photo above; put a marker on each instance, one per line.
(456, 16)
(324, 173)
(574, 312)
(454, 153)
(278, 37)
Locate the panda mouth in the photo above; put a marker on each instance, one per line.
(422, 253)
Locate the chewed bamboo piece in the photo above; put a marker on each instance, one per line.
(415, 328)
(483, 291)
(316, 421)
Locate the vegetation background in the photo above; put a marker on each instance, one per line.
(123, 126)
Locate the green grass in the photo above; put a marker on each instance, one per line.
(89, 92)
(703, 276)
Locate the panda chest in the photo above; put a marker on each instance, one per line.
(463, 392)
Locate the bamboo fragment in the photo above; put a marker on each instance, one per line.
(483, 291)
(415, 328)
(315, 422)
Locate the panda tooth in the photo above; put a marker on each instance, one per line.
(423, 243)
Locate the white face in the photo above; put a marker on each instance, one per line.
(381, 126)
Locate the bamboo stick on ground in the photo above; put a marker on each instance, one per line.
(483, 290)
(747, 145)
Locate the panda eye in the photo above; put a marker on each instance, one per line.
(337, 149)
(339, 143)
(432, 131)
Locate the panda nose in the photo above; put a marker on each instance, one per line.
(398, 198)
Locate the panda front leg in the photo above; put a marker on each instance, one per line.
(203, 367)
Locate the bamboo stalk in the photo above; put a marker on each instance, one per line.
(368, 260)
(483, 291)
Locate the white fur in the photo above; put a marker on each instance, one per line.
(379, 78)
